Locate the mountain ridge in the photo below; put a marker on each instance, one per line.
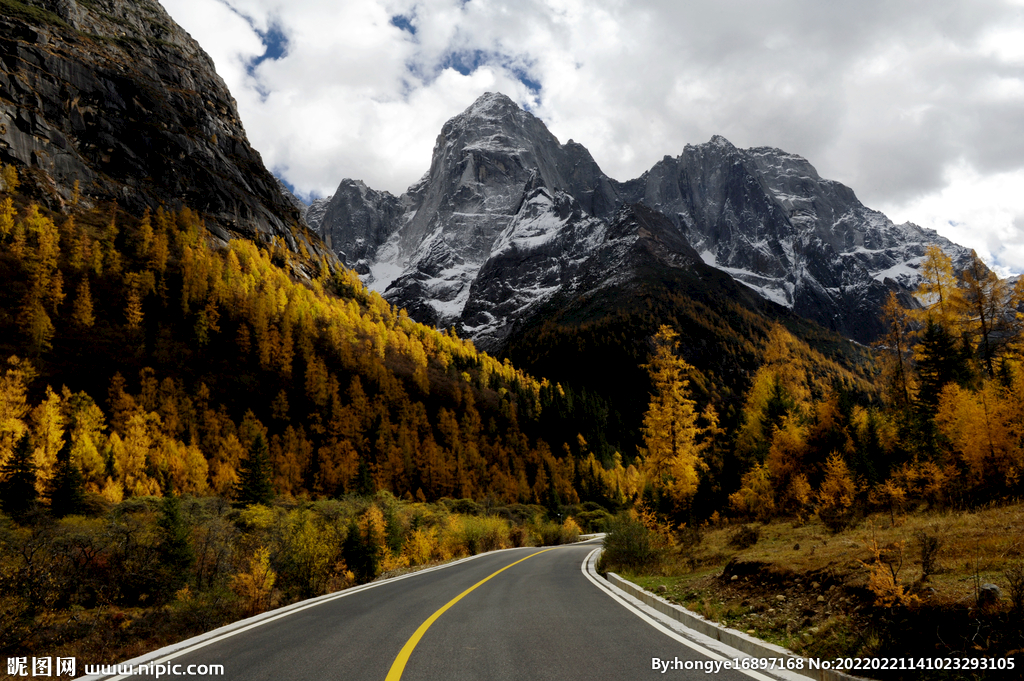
(762, 215)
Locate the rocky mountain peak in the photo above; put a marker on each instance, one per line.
(507, 218)
(490, 106)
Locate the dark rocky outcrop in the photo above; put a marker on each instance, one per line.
(355, 221)
(116, 96)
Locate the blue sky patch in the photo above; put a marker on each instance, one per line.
(523, 76)
(275, 43)
(465, 62)
(404, 23)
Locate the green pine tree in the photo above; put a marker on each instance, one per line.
(174, 548)
(254, 480)
(18, 480)
(941, 359)
(67, 496)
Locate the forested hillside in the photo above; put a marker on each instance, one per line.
(949, 432)
(149, 356)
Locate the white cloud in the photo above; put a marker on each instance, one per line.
(917, 105)
(981, 212)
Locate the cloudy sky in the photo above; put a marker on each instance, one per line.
(917, 105)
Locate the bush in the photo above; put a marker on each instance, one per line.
(633, 546)
(594, 521)
(1015, 577)
(481, 534)
(744, 537)
(462, 506)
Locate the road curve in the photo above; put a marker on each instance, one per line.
(540, 617)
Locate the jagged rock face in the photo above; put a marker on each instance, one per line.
(426, 248)
(356, 221)
(768, 219)
(507, 219)
(115, 95)
(314, 212)
(541, 253)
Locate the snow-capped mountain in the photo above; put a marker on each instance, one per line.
(767, 218)
(507, 218)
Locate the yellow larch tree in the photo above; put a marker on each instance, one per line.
(81, 314)
(13, 403)
(672, 436)
(985, 310)
(939, 291)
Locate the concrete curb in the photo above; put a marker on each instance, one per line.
(754, 647)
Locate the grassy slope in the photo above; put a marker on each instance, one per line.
(827, 609)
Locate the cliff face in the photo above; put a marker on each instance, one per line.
(116, 96)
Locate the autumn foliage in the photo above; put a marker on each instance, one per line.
(159, 355)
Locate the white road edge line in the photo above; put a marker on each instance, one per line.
(176, 650)
(611, 591)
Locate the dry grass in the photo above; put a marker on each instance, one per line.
(983, 542)
(807, 589)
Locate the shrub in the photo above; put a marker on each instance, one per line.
(254, 585)
(594, 521)
(486, 533)
(744, 537)
(632, 545)
(1015, 577)
(884, 575)
(570, 531)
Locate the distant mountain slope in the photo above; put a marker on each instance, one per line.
(116, 96)
(762, 215)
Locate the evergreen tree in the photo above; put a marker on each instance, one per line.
(363, 483)
(941, 359)
(174, 548)
(18, 480)
(358, 559)
(66, 487)
(255, 476)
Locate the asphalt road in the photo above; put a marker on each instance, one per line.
(540, 618)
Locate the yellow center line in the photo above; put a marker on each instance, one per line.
(398, 666)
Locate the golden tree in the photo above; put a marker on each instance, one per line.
(82, 314)
(673, 438)
(939, 291)
(985, 307)
(836, 494)
(756, 495)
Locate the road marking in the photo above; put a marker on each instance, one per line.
(398, 666)
(175, 650)
(707, 652)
